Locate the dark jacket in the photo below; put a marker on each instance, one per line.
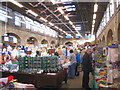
(87, 63)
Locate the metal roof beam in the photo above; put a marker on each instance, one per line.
(73, 22)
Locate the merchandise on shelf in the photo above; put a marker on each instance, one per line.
(64, 61)
(36, 64)
(6, 82)
(112, 58)
(10, 65)
(106, 73)
(23, 86)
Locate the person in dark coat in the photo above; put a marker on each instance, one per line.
(87, 68)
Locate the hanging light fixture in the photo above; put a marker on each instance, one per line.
(95, 7)
(33, 13)
(16, 3)
(94, 16)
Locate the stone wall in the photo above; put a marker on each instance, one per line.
(24, 34)
(113, 25)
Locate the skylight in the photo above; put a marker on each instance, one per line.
(78, 27)
(70, 7)
(66, 0)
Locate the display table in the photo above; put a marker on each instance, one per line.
(40, 80)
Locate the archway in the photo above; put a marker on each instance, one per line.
(11, 39)
(100, 42)
(52, 44)
(97, 41)
(103, 40)
(69, 43)
(119, 34)
(32, 41)
(44, 43)
(110, 36)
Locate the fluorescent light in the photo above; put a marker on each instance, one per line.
(92, 31)
(60, 29)
(33, 13)
(94, 16)
(64, 32)
(53, 1)
(69, 35)
(79, 35)
(93, 21)
(78, 28)
(95, 7)
(73, 26)
(93, 26)
(43, 19)
(60, 10)
(66, 17)
(70, 7)
(16, 3)
(56, 27)
(51, 24)
(60, 36)
(70, 22)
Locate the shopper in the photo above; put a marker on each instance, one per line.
(71, 67)
(87, 68)
(82, 53)
(94, 56)
(78, 60)
(38, 53)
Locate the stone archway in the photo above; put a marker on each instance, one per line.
(100, 42)
(119, 33)
(11, 37)
(44, 41)
(69, 43)
(52, 44)
(32, 40)
(110, 36)
(103, 40)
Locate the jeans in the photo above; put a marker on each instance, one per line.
(71, 70)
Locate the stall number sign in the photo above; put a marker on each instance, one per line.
(51, 51)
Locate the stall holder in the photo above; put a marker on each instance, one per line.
(40, 80)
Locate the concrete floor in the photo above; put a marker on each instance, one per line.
(76, 82)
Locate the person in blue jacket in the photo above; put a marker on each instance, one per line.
(78, 59)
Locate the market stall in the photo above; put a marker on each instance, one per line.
(40, 80)
(107, 70)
